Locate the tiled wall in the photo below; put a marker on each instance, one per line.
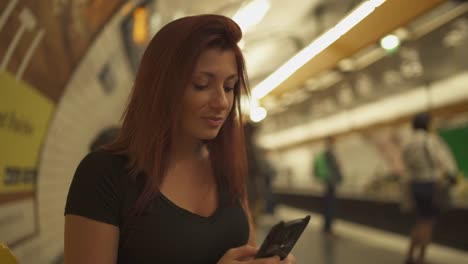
(82, 112)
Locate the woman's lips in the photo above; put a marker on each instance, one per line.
(214, 121)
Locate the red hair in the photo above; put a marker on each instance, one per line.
(150, 118)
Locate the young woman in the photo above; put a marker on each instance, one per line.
(171, 188)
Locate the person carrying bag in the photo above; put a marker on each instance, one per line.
(430, 170)
(441, 200)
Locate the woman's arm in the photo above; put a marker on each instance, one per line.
(88, 241)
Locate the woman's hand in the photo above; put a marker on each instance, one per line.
(246, 255)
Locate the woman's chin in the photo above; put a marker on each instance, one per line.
(208, 136)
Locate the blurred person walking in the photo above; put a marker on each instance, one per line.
(260, 176)
(328, 171)
(431, 169)
(255, 182)
(270, 197)
(104, 137)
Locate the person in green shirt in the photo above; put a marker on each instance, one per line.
(327, 170)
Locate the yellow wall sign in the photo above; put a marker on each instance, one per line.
(6, 256)
(24, 118)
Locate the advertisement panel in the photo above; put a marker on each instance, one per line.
(24, 118)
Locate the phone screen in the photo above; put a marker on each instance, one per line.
(282, 238)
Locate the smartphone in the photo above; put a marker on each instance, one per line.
(282, 238)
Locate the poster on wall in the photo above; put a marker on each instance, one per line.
(24, 117)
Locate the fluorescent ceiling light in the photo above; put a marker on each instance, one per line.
(252, 108)
(258, 114)
(390, 42)
(317, 46)
(251, 14)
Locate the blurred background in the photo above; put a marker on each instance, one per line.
(355, 70)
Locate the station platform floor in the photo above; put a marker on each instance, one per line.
(353, 244)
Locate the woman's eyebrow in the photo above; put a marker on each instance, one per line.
(234, 76)
(212, 75)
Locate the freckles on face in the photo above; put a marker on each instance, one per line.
(209, 97)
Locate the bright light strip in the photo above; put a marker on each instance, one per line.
(317, 46)
(251, 14)
(253, 109)
(258, 114)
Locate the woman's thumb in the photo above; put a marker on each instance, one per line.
(241, 252)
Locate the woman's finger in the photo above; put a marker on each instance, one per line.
(241, 252)
(271, 260)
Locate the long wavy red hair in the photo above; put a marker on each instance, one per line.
(150, 118)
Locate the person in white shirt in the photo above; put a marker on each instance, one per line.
(429, 162)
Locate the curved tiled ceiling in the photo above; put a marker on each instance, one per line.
(56, 33)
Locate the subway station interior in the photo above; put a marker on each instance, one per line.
(351, 74)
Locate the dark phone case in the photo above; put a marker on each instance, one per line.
(282, 238)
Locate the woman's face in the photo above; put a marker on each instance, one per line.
(209, 97)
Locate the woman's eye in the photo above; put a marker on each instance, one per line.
(228, 89)
(200, 86)
(230, 86)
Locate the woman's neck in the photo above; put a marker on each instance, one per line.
(189, 157)
(188, 149)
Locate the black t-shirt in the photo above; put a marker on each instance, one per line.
(164, 233)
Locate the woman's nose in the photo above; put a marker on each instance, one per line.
(219, 99)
